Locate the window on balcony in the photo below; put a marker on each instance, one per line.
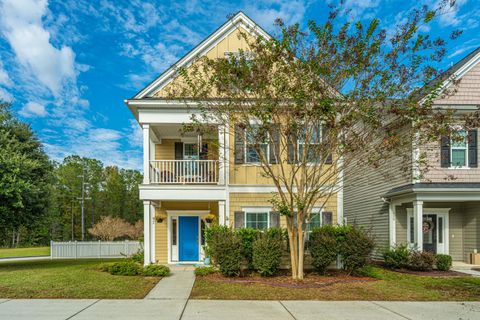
(251, 145)
(309, 142)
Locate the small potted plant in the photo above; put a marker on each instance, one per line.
(209, 218)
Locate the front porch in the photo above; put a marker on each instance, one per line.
(441, 218)
(176, 229)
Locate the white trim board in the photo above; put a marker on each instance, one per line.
(240, 19)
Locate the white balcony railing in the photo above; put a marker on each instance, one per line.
(183, 171)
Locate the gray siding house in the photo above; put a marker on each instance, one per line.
(440, 211)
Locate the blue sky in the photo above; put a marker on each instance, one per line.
(67, 65)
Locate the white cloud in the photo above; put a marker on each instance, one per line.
(21, 23)
(450, 15)
(5, 95)
(135, 136)
(359, 8)
(33, 109)
(4, 77)
(265, 12)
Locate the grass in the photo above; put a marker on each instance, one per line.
(24, 252)
(71, 279)
(390, 285)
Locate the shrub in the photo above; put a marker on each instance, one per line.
(267, 252)
(397, 257)
(421, 261)
(355, 248)
(138, 257)
(156, 270)
(226, 249)
(204, 271)
(247, 237)
(443, 262)
(125, 268)
(323, 247)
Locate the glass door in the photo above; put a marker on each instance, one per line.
(429, 229)
(190, 152)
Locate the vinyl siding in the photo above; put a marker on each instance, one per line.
(471, 229)
(166, 149)
(242, 200)
(467, 91)
(231, 43)
(436, 173)
(161, 243)
(363, 205)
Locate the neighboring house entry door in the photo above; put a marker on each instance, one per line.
(435, 230)
(429, 229)
(188, 231)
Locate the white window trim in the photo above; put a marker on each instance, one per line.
(461, 148)
(256, 210)
(301, 142)
(245, 144)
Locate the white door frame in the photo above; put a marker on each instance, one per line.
(173, 252)
(442, 248)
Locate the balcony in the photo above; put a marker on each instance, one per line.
(184, 172)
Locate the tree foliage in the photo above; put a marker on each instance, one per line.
(341, 94)
(25, 177)
(111, 228)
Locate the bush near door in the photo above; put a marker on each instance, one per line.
(268, 249)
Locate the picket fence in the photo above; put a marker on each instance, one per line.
(93, 249)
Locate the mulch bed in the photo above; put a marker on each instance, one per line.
(433, 273)
(311, 280)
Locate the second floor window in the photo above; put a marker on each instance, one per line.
(459, 149)
(252, 145)
(309, 142)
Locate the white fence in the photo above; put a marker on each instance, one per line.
(93, 249)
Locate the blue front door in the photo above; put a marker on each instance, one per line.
(188, 238)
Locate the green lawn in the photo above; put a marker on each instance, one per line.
(388, 286)
(24, 252)
(79, 279)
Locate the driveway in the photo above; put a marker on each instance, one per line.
(234, 309)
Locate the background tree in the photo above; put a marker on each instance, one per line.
(24, 176)
(310, 105)
(110, 228)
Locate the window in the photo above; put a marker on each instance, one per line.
(459, 149)
(412, 225)
(174, 232)
(440, 229)
(310, 141)
(257, 220)
(252, 145)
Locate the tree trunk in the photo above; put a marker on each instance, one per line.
(18, 238)
(301, 252)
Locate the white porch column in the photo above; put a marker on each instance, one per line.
(153, 258)
(392, 222)
(146, 232)
(222, 154)
(146, 153)
(222, 213)
(417, 224)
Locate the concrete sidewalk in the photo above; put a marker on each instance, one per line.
(177, 286)
(238, 309)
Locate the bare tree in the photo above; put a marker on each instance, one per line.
(110, 228)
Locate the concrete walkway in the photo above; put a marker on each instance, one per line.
(227, 309)
(14, 259)
(176, 286)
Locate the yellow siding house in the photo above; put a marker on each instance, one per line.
(192, 181)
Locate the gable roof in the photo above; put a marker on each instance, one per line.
(456, 71)
(232, 24)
